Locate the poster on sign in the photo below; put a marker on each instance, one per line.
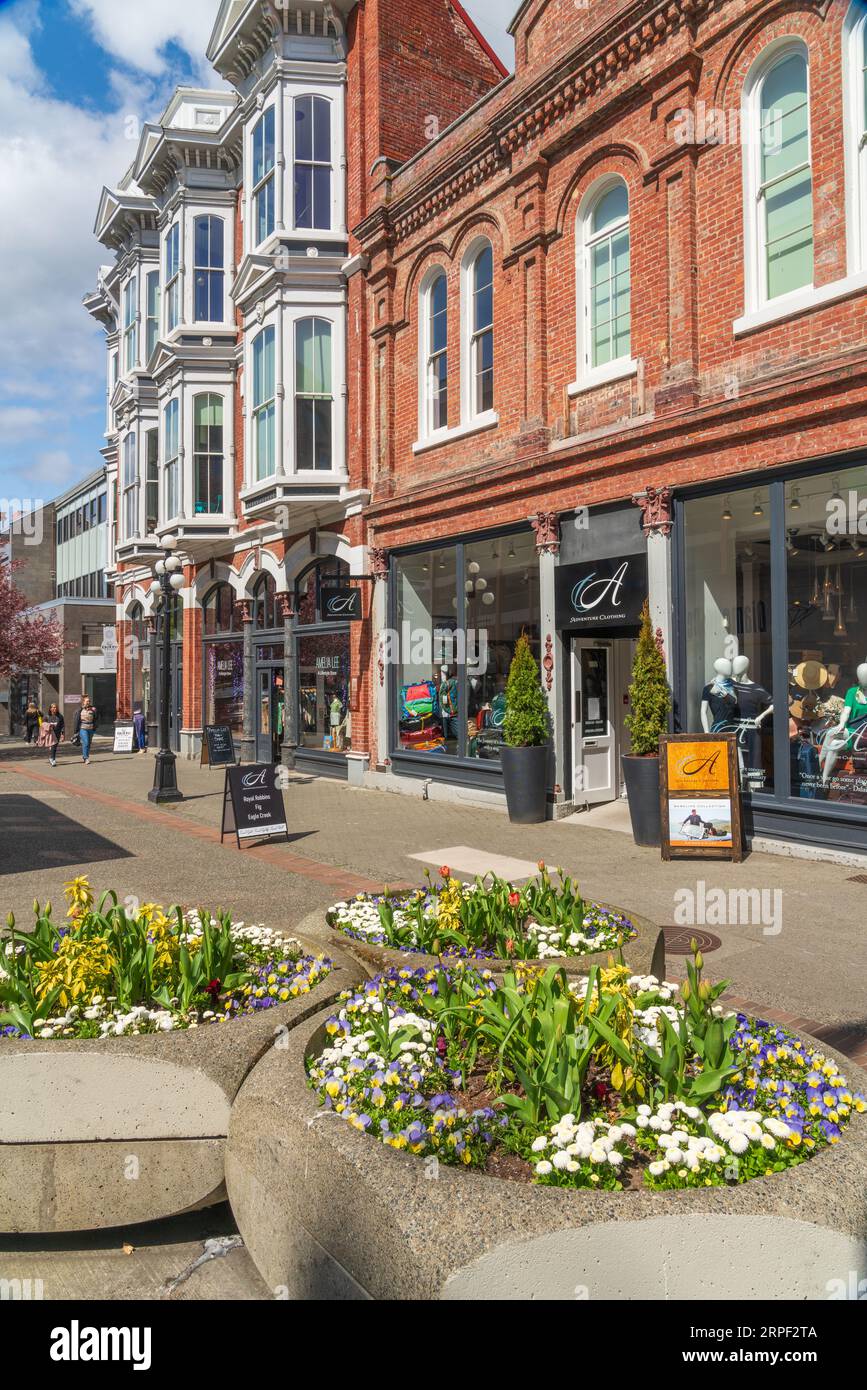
(253, 804)
(124, 735)
(702, 814)
(218, 747)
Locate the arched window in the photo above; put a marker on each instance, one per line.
(219, 610)
(314, 402)
(208, 453)
(264, 396)
(264, 160)
(434, 354)
(779, 176)
(265, 604)
(313, 162)
(605, 304)
(311, 587)
(855, 95)
(209, 269)
(477, 349)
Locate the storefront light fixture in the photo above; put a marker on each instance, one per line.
(488, 598)
(836, 497)
(796, 501)
(727, 512)
(758, 509)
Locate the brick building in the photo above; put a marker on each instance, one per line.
(616, 317)
(232, 310)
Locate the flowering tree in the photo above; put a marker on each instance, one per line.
(28, 641)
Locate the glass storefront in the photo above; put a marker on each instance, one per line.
(459, 610)
(323, 653)
(774, 644)
(223, 660)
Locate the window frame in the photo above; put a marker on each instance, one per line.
(172, 460)
(313, 163)
(266, 406)
(211, 271)
(130, 324)
(855, 135)
(172, 296)
(152, 480)
(318, 321)
(590, 373)
(471, 336)
(209, 454)
(131, 518)
(259, 187)
(428, 430)
(756, 285)
(152, 320)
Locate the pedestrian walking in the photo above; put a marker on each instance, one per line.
(52, 732)
(85, 724)
(32, 721)
(140, 730)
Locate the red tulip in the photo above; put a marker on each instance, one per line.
(514, 900)
(445, 871)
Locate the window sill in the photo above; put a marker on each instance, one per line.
(602, 376)
(799, 302)
(301, 479)
(488, 421)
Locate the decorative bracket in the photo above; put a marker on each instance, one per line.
(655, 504)
(547, 528)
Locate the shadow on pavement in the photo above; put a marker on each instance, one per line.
(35, 836)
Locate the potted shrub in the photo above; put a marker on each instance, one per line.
(650, 699)
(526, 730)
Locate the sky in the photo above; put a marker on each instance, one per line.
(78, 78)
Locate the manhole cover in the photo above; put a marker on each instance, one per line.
(859, 878)
(678, 941)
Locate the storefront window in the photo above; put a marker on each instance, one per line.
(324, 669)
(224, 684)
(219, 611)
(460, 610)
(729, 656)
(265, 616)
(826, 541)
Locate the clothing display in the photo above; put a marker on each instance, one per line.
(721, 697)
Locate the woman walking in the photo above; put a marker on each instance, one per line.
(84, 726)
(32, 720)
(51, 733)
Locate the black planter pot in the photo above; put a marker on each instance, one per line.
(642, 788)
(525, 774)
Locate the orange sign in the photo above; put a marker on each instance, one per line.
(702, 766)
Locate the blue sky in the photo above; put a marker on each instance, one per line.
(72, 75)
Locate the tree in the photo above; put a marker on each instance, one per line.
(649, 694)
(28, 640)
(526, 724)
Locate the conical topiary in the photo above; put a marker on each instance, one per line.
(649, 694)
(526, 723)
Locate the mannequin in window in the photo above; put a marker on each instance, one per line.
(851, 731)
(718, 699)
(448, 693)
(755, 706)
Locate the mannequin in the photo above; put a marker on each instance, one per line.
(718, 699)
(754, 707)
(448, 693)
(853, 722)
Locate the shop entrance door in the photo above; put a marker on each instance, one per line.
(595, 722)
(269, 713)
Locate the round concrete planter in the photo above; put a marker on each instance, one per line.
(328, 1213)
(644, 956)
(105, 1132)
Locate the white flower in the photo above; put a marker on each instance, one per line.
(561, 1161)
(768, 1141)
(615, 1159)
(543, 1168)
(656, 1170)
(739, 1143)
(539, 1144)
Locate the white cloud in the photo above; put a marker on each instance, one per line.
(137, 33)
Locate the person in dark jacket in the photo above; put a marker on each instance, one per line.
(140, 728)
(54, 728)
(32, 717)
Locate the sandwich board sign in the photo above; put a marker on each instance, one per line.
(218, 747)
(253, 804)
(699, 782)
(123, 738)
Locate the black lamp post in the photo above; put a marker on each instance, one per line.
(167, 583)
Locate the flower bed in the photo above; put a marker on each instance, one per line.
(616, 1081)
(547, 919)
(111, 971)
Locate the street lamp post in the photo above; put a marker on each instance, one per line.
(167, 583)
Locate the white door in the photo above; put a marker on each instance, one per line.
(594, 724)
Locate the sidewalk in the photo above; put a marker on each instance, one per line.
(810, 963)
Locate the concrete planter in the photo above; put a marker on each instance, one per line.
(327, 1213)
(645, 955)
(109, 1131)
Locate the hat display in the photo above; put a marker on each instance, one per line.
(810, 675)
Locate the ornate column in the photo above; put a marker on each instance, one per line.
(546, 526)
(656, 523)
(380, 568)
(248, 737)
(290, 682)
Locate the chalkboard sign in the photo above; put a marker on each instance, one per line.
(218, 747)
(123, 738)
(702, 816)
(253, 804)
